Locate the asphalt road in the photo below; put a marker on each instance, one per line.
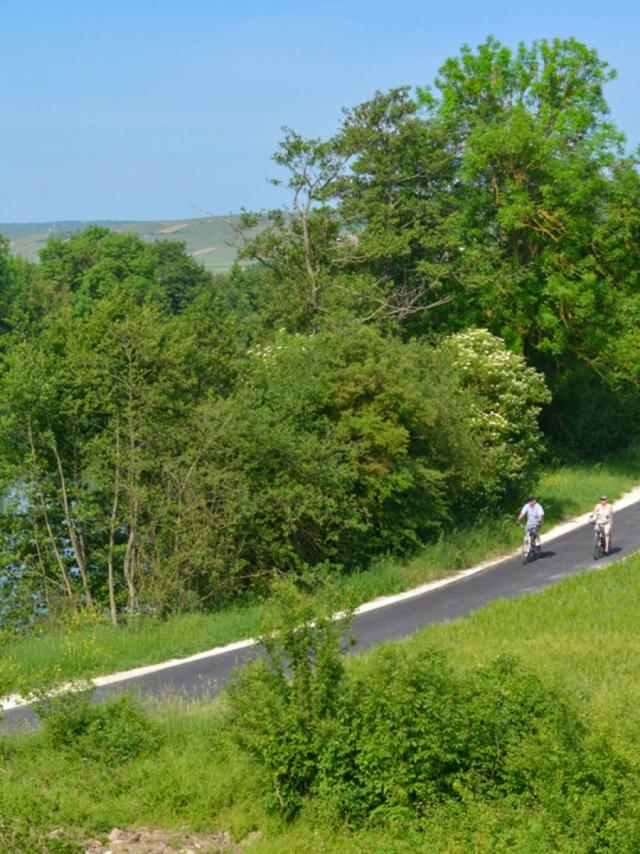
(561, 557)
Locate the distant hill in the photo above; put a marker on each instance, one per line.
(206, 238)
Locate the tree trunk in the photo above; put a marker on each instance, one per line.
(112, 531)
(75, 535)
(66, 582)
(130, 556)
(312, 273)
(41, 564)
(133, 485)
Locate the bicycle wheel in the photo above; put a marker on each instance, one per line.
(526, 550)
(597, 546)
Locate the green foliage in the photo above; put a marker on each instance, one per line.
(348, 444)
(22, 836)
(371, 229)
(550, 205)
(508, 396)
(111, 732)
(404, 734)
(84, 644)
(282, 709)
(99, 399)
(590, 417)
(503, 199)
(566, 721)
(411, 733)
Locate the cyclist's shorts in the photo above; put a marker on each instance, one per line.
(606, 527)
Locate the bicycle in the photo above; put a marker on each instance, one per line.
(531, 545)
(599, 542)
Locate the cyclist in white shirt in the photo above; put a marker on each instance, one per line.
(535, 516)
(602, 515)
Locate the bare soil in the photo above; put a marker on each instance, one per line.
(145, 840)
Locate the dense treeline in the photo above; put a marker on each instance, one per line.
(451, 263)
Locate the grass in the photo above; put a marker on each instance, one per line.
(86, 648)
(581, 635)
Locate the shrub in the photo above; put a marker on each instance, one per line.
(344, 445)
(114, 731)
(404, 734)
(411, 733)
(503, 417)
(283, 708)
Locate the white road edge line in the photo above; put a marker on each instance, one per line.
(633, 497)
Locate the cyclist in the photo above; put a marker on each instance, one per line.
(602, 515)
(535, 517)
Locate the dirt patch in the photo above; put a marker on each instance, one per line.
(145, 840)
(171, 229)
(205, 250)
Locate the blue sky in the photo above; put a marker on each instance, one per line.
(132, 110)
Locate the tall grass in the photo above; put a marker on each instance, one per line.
(86, 649)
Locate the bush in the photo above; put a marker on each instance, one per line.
(114, 731)
(345, 445)
(282, 709)
(411, 733)
(507, 396)
(404, 735)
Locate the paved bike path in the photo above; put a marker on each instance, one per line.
(561, 557)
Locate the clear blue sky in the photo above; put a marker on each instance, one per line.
(130, 109)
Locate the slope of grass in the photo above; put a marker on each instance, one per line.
(87, 648)
(209, 239)
(581, 635)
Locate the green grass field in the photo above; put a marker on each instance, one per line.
(582, 636)
(88, 648)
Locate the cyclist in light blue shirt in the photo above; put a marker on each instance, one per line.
(535, 516)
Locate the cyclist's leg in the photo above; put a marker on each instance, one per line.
(607, 537)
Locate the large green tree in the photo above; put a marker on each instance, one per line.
(501, 198)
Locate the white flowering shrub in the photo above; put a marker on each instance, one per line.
(506, 398)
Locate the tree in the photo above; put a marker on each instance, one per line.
(369, 233)
(297, 246)
(5, 282)
(398, 209)
(179, 276)
(96, 398)
(549, 202)
(343, 444)
(503, 199)
(533, 151)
